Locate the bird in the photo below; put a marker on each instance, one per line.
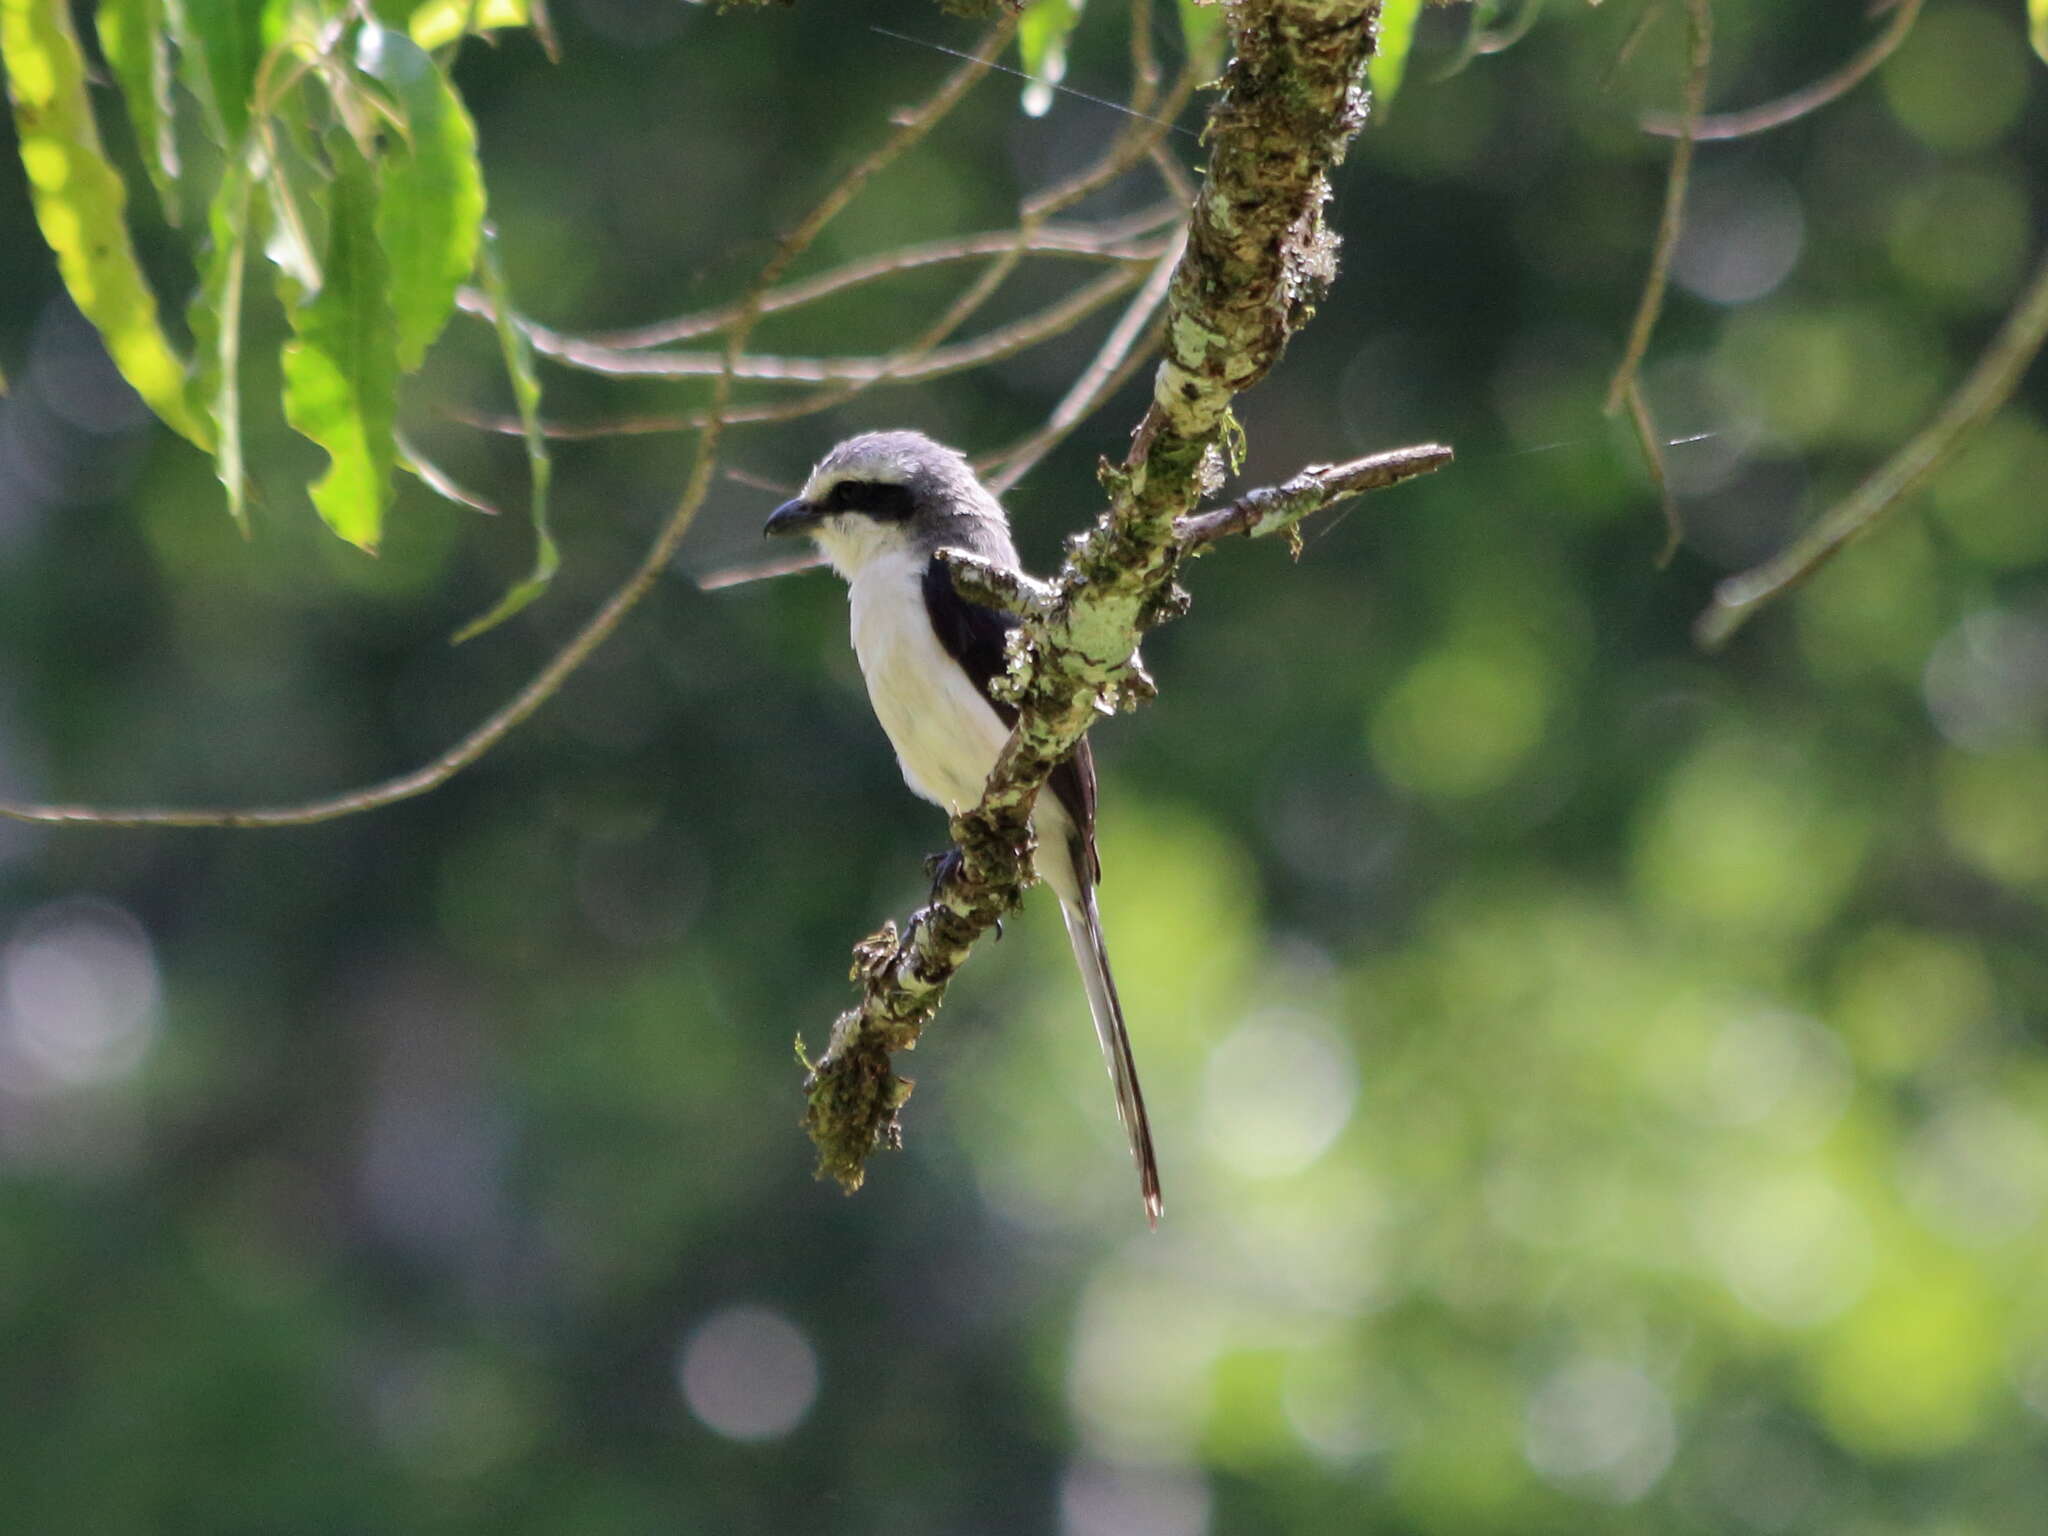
(881, 507)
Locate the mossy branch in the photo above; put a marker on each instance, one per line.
(1258, 258)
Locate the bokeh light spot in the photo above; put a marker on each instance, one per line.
(1995, 815)
(1908, 1374)
(1601, 1429)
(1988, 500)
(1790, 1245)
(78, 998)
(1743, 232)
(1961, 234)
(1961, 79)
(1279, 1091)
(1978, 1171)
(1743, 835)
(748, 1373)
(1987, 682)
(1904, 998)
(1102, 1499)
(1463, 719)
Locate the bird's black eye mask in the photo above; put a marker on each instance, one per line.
(881, 500)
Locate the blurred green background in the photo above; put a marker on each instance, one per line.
(1599, 1088)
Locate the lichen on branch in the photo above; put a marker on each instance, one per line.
(1258, 258)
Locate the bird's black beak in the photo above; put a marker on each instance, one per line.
(797, 516)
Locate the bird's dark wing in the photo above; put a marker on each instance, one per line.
(974, 637)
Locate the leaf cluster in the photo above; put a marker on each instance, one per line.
(322, 145)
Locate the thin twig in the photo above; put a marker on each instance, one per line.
(1005, 341)
(1799, 103)
(1277, 508)
(1652, 444)
(1110, 240)
(1118, 357)
(544, 683)
(1990, 384)
(1700, 36)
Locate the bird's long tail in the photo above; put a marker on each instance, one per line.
(1084, 931)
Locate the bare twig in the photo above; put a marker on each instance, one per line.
(1990, 384)
(1651, 441)
(1276, 509)
(544, 683)
(1103, 375)
(909, 364)
(1700, 42)
(1111, 240)
(1799, 103)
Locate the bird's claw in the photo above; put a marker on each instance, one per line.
(942, 867)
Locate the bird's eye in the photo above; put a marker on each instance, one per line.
(880, 499)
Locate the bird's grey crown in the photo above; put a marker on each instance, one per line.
(942, 484)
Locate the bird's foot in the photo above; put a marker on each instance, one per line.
(942, 867)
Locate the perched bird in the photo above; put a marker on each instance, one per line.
(881, 506)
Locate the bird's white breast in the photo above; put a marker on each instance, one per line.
(945, 734)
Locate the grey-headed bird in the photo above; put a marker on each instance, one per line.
(881, 506)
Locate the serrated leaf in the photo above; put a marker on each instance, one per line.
(1390, 60)
(80, 202)
(220, 48)
(1042, 46)
(525, 380)
(215, 316)
(341, 371)
(443, 21)
(2037, 26)
(138, 50)
(431, 210)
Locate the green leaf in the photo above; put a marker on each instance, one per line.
(215, 316)
(220, 48)
(1042, 45)
(80, 202)
(519, 367)
(341, 373)
(431, 212)
(138, 50)
(2037, 26)
(443, 21)
(1390, 62)
(296, 189)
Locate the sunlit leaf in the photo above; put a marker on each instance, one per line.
(80, 201)
(295, 180)
(138, 50)
(341, 371)
(215, 316)
(2037, 26)
(1042, 45)
(1390, 62)
(432, 205)
(220, 47)
(442, 21)
(525, 378)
